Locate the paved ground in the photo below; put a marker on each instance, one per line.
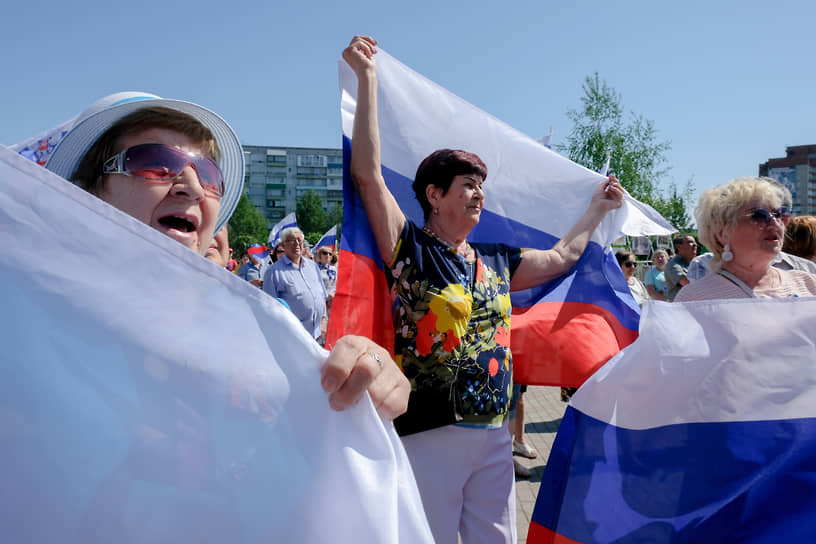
(543, 412)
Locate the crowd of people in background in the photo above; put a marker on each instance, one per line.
(304, 280)
(743, 224)
(454, 423)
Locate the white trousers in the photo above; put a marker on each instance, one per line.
(466, 480)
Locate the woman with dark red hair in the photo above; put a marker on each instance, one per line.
(452, 324)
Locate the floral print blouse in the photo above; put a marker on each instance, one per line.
(452, 330)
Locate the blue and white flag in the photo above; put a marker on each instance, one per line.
(703, 430)
(328, 239)
(546, 141)
(148, 395)
(274, 234)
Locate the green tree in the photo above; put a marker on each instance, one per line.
(637, 157)
(674, 207)
(247, 226)
(335, 217)
(311, 216)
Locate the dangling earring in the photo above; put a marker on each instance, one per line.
(727, 256)
(436, 211)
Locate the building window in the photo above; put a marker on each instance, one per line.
(312, 160)
(310, 171)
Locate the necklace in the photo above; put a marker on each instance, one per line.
(465, 253)
(470, 262)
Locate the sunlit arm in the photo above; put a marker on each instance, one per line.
(540, 266)
(384, 215)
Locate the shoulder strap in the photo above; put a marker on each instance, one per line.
(738, 282)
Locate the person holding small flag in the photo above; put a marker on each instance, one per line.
(251, 271)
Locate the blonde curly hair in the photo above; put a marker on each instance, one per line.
(720, 207)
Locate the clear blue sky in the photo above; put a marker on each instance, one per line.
(728, 83)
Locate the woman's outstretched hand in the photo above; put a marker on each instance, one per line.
(609, 195)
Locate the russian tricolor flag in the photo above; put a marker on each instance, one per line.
(258, 251)
(329, 239)
(561, 331)
(703, 430)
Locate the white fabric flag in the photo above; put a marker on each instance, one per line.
(147, 395)
(274, 234)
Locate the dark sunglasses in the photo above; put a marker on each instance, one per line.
(629, 264)
(280, 250)
(763, 217)
(159, 163)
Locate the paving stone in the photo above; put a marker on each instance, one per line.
(543, 411)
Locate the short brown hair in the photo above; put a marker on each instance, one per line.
(623, 255)
(800, 237)
(88, 174)
(440, 167)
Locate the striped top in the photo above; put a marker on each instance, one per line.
(794, 283)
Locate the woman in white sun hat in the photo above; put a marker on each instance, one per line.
(179, 168)
(120, 147)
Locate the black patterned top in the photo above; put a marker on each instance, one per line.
(452, 330)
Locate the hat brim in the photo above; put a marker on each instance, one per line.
(73, 147)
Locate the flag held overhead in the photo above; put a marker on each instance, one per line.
(532, 196)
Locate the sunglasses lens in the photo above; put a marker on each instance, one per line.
(154, 162)
(761, 216)
(157, 162)
(783, 214)
(210, 176)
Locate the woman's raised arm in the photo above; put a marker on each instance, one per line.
(384, 214)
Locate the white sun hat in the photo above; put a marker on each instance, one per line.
(107, 111)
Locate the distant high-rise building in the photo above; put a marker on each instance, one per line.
(797, 172)
(276, 177)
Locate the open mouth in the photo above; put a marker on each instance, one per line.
(176, 222)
